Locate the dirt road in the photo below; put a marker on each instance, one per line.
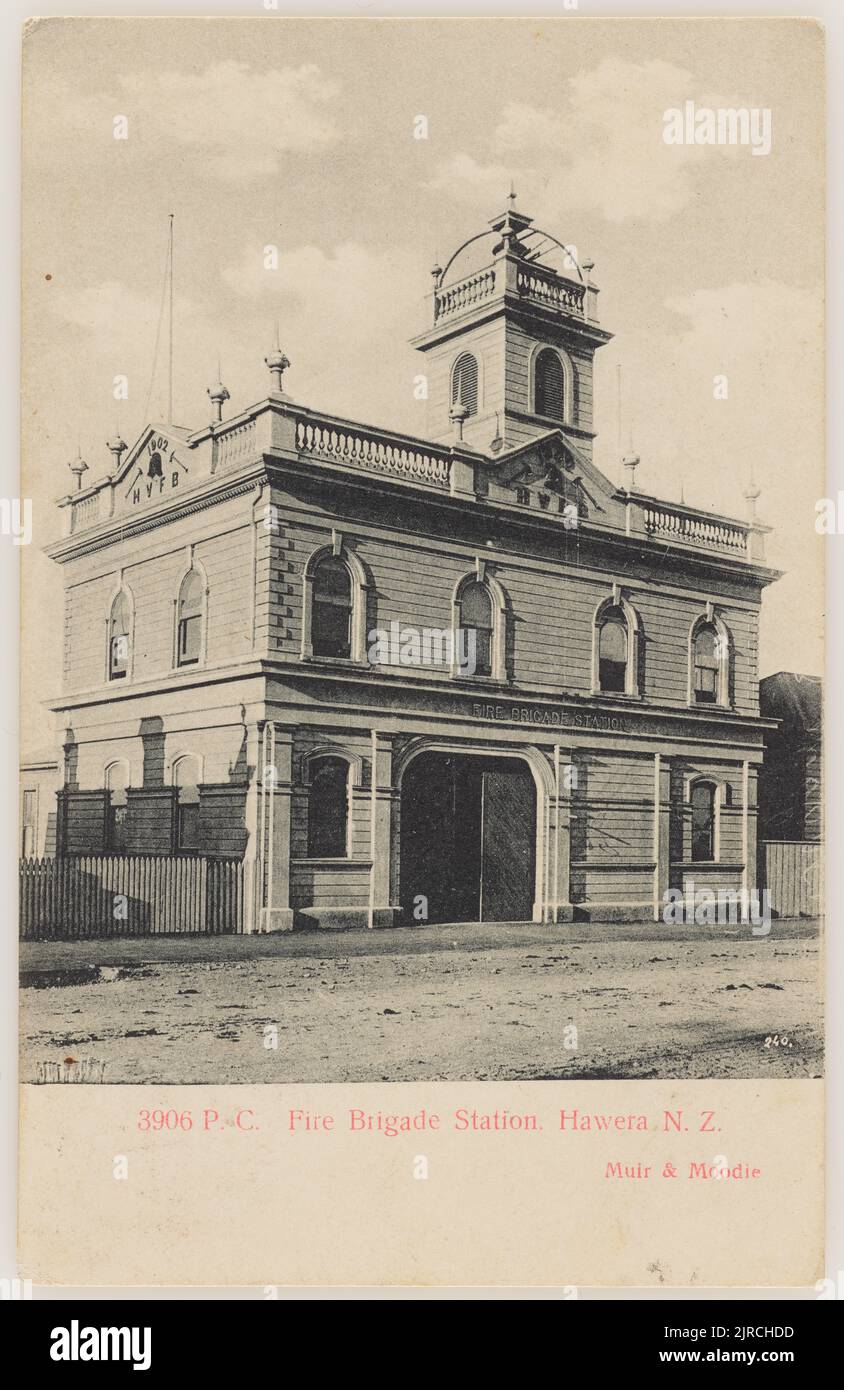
(522, 1003)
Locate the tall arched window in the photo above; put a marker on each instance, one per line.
(118, 638)
(189, 628)
(549, 395)
(328, 808)
(707, 665)
(616, 647)
(116, 780)
(703, 821)
(613, 652)
(477, 622)
(189, 838)
(331, 608)
(464, 383)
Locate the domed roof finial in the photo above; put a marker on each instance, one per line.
(631, 462)
(78, 466)
(511, 196)
(116, 447)
(217, 395)
(277, 363)
(752, 493)
(459, 413)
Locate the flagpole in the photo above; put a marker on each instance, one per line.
(170, 412)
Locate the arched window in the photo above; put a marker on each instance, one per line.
(116, 780)
(189, 627)
(613, 652)
(189, 838)
(616, 646)
(331, 610)
(703, 821)
(476, 621)
(549, 395)
(118, 638)
(464, 383)
(328, 808)
(707, 665)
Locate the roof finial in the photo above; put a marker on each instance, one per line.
(631, 462)
(116, 447)
(459, 413)
(78, 466)
(511, 196)
(752, 493)
(277, 363)
(217, 395)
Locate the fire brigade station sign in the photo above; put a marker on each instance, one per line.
(549, 718)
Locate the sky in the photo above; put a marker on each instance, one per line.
(300, 134)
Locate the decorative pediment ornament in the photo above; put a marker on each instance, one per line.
(156, 466)
(554, 454)
(539, 465)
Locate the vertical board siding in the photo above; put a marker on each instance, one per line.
(791, 872)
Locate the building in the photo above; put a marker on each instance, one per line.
(790, 794)
(39, 783)
(457, 678)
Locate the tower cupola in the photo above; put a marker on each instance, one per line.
(513, 338)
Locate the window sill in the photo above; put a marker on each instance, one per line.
(710, 864)
(332, 863)
(555, 421)
(617, 695)
(479, 680)
(349, 661)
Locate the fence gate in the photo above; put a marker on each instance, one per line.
(791, 872)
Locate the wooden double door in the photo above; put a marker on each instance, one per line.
(468, 839)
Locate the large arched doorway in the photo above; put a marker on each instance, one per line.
(468, 838)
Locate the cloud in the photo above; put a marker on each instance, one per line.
(106, 309)
(768, 425)
(735, 331)
(240, 120)
(461, 176)
(606, 147)
(344, 315)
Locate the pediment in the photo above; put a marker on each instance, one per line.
(552, 473)
(160, 464)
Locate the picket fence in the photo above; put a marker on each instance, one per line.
(85, 896)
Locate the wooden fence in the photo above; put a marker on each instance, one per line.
(80, 896)
(791, 870)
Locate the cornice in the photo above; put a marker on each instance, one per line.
(217, 489)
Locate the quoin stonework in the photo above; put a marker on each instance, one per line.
(222, 583)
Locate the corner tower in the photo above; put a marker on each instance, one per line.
(515, 329)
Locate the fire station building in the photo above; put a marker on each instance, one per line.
(460, 678)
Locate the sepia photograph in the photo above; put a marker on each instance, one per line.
(422, 626)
